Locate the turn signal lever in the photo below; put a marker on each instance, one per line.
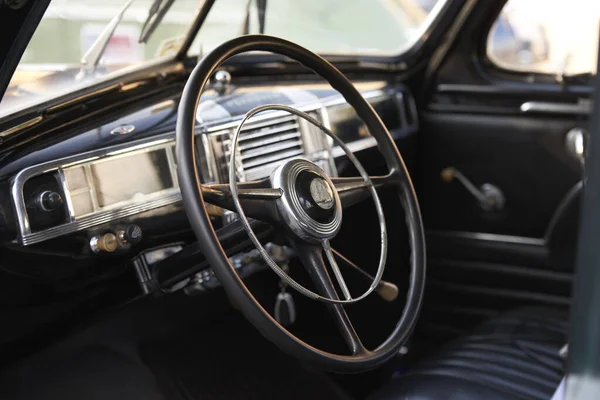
(488, 196)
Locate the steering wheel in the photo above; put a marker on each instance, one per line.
(300, 198)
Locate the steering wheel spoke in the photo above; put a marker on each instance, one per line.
(257, 198)
(311, 257)
(356, 189)
(336, 270)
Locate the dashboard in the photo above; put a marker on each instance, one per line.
(105, 179)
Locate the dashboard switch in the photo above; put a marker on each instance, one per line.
(131, 235)
(50, 201)
(107, 243)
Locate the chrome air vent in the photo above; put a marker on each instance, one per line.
(264, 145)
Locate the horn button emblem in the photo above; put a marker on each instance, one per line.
(321, 193)
(309, 205)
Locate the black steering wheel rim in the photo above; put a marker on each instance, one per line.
(195, 207)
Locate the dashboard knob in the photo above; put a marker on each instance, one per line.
(107, 242)
(50, 201)
(132, 234)
(222, 80)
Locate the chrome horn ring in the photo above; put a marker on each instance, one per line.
(246, 224)
(290, 204)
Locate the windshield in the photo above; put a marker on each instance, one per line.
(52, 62)
(345, 27)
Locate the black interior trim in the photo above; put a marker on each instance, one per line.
(584, 330)
(18, 25)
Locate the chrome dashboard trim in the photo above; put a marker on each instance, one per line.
(490, 237)
(233, 122)
(357, 145)
(123, 129)
(63, 182)
(169, 196)
(21, 126)
(324, 115)
(26, 237)
(583, 107)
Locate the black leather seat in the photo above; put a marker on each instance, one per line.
(513, 356)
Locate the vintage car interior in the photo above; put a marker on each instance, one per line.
(251, 214)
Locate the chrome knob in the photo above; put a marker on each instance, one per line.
(107, 243)
(50, 201)
(222, 80)
(223, 77)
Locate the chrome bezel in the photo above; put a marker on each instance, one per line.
(123, 209)
(170, 196)
(284, 177)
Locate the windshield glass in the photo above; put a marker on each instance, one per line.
(346, 27)
(52, 62)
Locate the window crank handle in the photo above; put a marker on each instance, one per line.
(488, 196)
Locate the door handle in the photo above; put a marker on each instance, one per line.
(576, 143)
(488, 196)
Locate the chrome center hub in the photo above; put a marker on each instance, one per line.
(310, 205)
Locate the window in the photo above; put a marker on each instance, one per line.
(551, 37)
(355, 27)
(52, 59)
(51, 64)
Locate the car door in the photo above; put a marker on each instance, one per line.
(503, 130)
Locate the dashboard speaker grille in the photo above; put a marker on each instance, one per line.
(266, 144)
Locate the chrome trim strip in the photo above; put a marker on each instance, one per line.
(265, 132)
(330, 157)
(542, 107)
(490, 237)
(232, 123)
(66, 191)
(83, 97)
(337, 100)
(269, 141)
(273, 148)
(21, 126)
(170, 197)
(172, 165)
(357, 145)
(269, 123)
(212, 170)
(273, 158)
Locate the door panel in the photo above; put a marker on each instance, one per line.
(482, 262)
(524, 157)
